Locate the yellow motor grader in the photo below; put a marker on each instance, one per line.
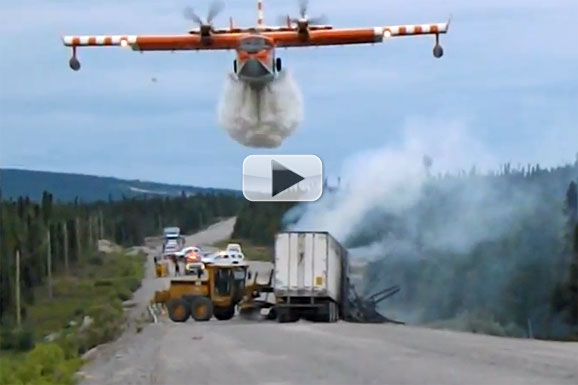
(215, 290)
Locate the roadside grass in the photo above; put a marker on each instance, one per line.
(85, 311)
(101, 284)
(252, 251)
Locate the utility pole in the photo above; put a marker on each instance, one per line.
(77, 233)
(90, 235)
(49, 262)
(65, 241)
(18, 310)
(101, 225)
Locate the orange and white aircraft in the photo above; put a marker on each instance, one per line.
(256, 62)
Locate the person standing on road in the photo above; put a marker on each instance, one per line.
(177, 267)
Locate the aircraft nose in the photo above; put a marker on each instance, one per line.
(253, 68)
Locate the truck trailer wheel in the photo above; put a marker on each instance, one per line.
(224, 313)
(287, 315)
(327, 313)
(178, 309)
(333, 312)
(201, 309)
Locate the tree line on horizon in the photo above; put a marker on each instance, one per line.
(509, 268)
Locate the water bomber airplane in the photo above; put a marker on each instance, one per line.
(256, 62)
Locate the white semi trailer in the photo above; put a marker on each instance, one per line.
(311, 270)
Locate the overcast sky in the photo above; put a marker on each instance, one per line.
(509, 78)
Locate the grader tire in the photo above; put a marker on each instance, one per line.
(201, 309)
(272, 314)
(178, 309)
(224, 313)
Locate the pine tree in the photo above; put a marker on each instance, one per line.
(571, 284)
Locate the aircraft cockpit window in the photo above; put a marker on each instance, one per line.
(254, 44)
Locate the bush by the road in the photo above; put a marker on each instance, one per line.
(46, 364)
(85, 311)
(15, 339)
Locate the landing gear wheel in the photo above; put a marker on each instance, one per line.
(178, 309)
(235, 65)
(278, 65)
(224, 313)
(201, 309)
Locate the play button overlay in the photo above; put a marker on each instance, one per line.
(282, 178)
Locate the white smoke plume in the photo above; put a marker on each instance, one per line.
(391, 179)
(261, 118)
(430, 235)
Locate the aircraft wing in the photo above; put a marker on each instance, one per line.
(221, 38)
(156, 42)
(225, 39)
(342, 36)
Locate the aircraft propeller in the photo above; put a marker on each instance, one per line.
(205, 27)
(303, 21)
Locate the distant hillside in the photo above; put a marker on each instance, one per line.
(88, 188)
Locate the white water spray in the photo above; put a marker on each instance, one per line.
(261, 118)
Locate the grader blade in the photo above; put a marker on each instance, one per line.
(251, 314)
(257, 310)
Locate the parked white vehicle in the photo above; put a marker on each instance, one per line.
(235, 249)
(181, 254)
(223, 257)
(171, 246)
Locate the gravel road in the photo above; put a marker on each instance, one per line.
(215, 233)
(259, 353)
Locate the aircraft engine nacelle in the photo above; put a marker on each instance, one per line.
(303, 26)
(205, 30)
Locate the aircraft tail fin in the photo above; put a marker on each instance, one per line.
(260, 19)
